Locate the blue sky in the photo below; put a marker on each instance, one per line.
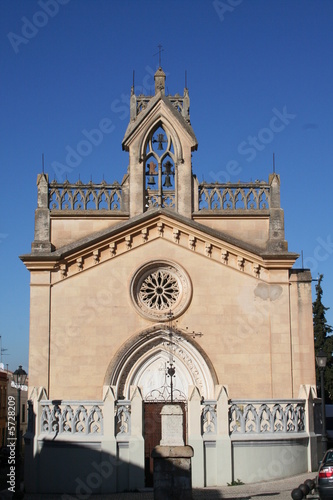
(68, 64)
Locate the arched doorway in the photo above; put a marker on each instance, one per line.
(164, 363)
(162, 382)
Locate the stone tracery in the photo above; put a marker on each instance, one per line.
(160, 290)
(160, 169)
(160, 287)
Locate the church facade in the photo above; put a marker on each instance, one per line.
(161, 289)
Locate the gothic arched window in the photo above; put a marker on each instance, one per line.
(160, 171)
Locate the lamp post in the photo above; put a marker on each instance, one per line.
(321, 360)
(19, 377)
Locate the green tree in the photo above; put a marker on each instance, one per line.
(323, 339)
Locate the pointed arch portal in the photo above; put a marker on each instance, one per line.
(144, 360)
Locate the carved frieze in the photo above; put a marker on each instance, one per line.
(208, 248)
(256, 270)
(144, 234)
(96, 256)
(112, 247)
(191, 242)
(224, 256)
(176, 235)
(63, 270)
(240, 263)
(128, 240)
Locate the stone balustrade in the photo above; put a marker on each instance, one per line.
(79, 196)
(271, 417)
(244, 432)
(71, 417)
(241, 196)
(214, 197)
(266, 417)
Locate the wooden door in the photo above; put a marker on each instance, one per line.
(153, 433)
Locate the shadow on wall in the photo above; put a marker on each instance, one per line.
(81, 469)
(76, 471)
(77, 464)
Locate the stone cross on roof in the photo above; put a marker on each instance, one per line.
(160, 50)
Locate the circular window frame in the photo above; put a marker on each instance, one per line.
(179, 305)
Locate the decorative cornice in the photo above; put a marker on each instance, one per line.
(40, 264)
(192, 236)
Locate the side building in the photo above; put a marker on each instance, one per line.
(8, 391)
(161, 271)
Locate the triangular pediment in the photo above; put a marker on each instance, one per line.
(159, 107)
(125, 237)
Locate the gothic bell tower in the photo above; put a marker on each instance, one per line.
(160, 141)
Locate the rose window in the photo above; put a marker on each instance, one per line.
(159, 288)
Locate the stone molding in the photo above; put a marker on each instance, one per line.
(127, 367)
(194, 240)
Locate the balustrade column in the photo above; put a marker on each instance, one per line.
(136, 441)
(194, 436)
(32, 453)
(307, 392)
(109, 444)
(223, 441)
